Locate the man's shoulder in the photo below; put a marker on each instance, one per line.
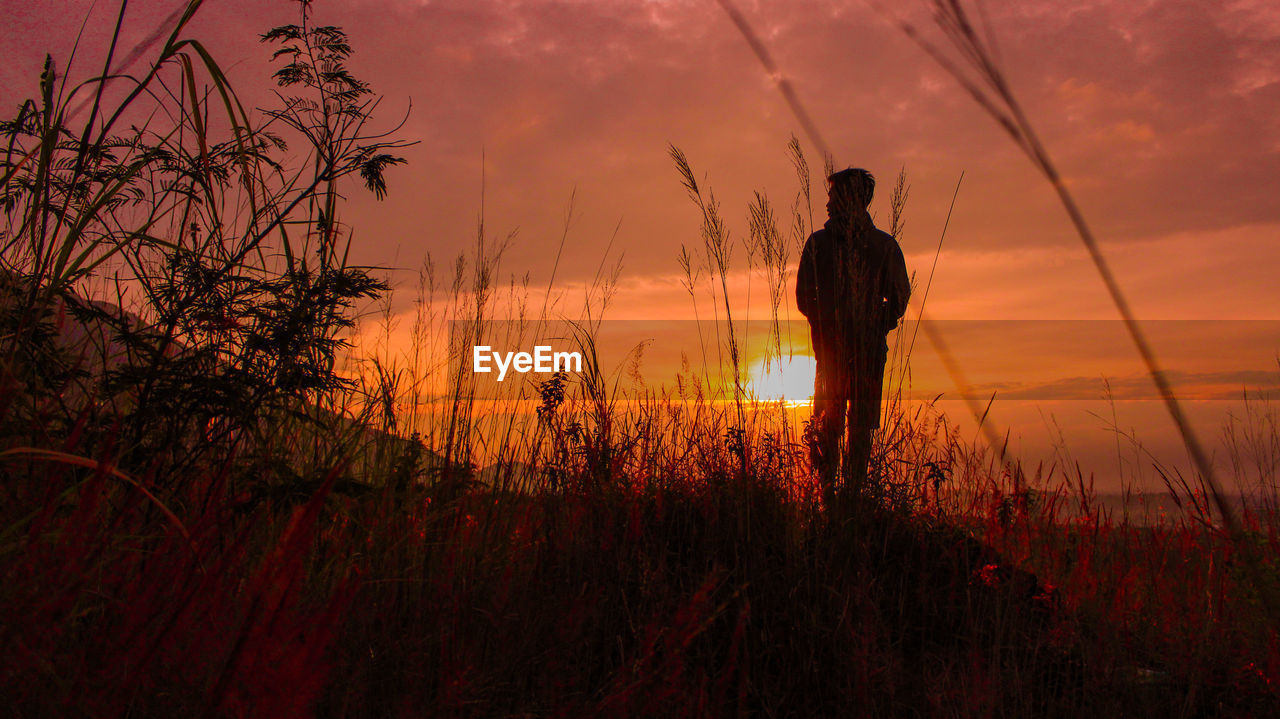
(884, 240)
(824, 236)
(882, 236)
(818, 238)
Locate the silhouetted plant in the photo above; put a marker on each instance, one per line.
(234, 267)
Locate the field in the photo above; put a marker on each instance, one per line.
(217, 503)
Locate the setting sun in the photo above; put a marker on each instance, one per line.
(788, 380)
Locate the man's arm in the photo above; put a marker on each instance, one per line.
(898, 289)
(806, 282)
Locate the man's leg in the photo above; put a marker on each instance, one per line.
(864, 410)
(829, 402)
(835, 423)
(857, 446)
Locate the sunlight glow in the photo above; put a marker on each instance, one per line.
(788, 380)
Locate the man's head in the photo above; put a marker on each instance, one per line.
(849, 193)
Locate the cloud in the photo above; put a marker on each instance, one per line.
(1161, 116)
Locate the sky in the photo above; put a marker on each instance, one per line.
(1163, 117)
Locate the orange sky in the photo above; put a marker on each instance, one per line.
(1163, 116)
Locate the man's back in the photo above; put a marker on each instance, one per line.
(851, 285)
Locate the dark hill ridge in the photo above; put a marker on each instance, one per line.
(72, 355)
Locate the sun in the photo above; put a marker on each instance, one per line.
(788, 380)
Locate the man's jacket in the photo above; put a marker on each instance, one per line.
(852, 285)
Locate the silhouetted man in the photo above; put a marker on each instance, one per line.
(852, 285)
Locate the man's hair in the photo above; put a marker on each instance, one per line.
(860, 183)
